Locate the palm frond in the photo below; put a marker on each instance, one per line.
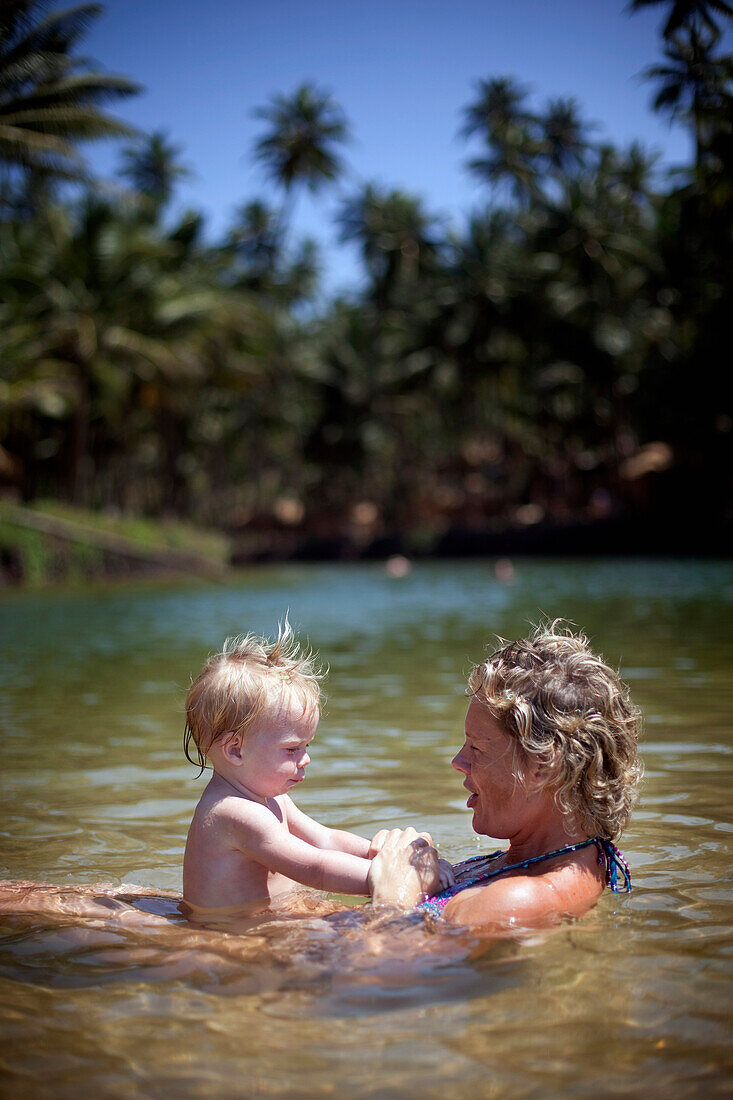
(47, 105)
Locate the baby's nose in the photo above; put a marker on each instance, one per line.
(305, 761)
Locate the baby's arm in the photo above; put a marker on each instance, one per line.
(338, 840)
(320, 836)
(253, 833)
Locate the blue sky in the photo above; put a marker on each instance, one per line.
(401, 69)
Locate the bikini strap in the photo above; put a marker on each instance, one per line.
(608, 853)
(483, 858)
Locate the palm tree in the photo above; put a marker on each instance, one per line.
(49, 96)
(153, 168)
(114, 328)
(256, 239)
(499, 116)
(301, 277)
(634, 169)
(694, 86)
(688, 13)
(499, 105)
(300, 147)
(512, 162)
(259, 261)
(397, 237)
(378, 423)
(481, 276)
(564, 134)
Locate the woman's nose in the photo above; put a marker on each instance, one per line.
(459, 763)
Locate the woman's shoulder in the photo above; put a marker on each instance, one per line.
(527, 901)
(509, 903)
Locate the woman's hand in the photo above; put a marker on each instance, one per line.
(375, 844)
(445, 868)
(405, 868)
(445, 873)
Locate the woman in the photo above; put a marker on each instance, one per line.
(550, 764)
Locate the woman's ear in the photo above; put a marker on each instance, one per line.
(531, 769)
(535, 774)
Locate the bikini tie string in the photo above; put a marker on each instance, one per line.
(609, 854)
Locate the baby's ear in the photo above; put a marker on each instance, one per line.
(231, 747)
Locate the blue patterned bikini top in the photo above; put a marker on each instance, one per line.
(608, 854)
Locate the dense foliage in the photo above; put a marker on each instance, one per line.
(560, 357)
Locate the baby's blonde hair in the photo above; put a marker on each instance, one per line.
(237, 686)
(569, 711)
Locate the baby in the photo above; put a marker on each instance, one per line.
(252, 713)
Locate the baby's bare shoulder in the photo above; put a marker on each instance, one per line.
(230, 810)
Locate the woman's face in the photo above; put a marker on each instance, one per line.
(501, 805)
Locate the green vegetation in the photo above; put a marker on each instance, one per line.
(59, 542)
(147, 533)
(558, 358)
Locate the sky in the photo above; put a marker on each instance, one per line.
(402, 70)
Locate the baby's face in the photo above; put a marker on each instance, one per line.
(275, 754)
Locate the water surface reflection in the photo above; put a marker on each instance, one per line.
(95, 788)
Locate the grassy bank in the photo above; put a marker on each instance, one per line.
(53, 543)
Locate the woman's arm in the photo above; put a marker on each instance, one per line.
(507, 905)
(524, 903)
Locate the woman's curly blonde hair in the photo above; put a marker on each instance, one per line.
(572, 713)
(236, 687)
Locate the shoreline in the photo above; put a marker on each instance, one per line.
(38, 552)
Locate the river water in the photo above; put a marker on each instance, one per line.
(634, 999)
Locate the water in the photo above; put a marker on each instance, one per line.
(633, 998)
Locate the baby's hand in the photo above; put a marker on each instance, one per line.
(379, 838)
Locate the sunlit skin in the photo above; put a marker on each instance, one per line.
(527, 816)
(249, 843)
